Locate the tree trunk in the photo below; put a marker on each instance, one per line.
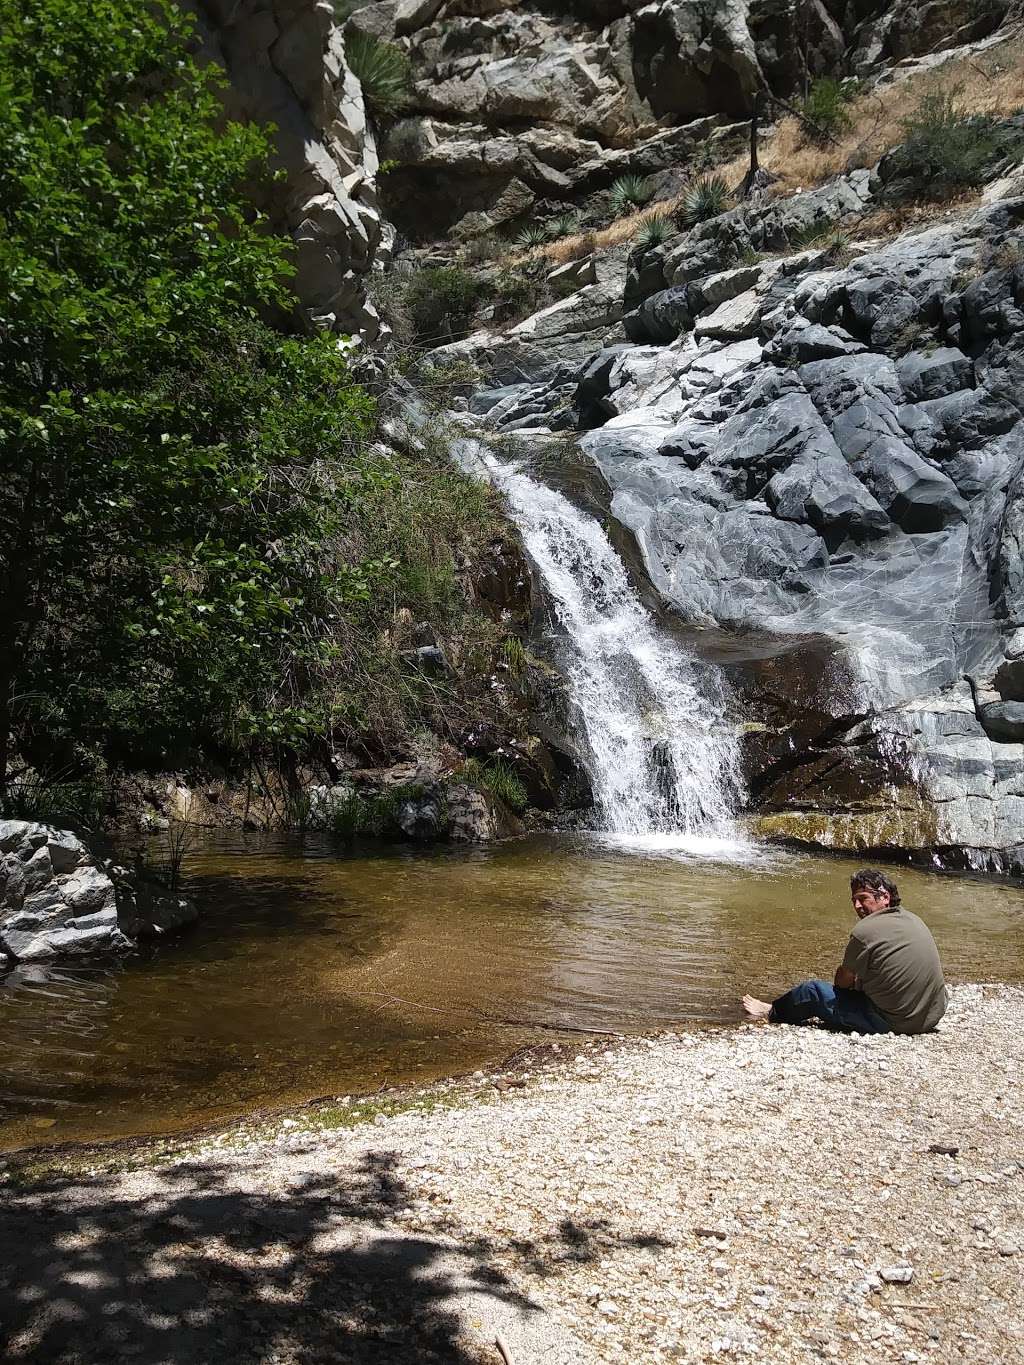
(753, 140)
(6, 683)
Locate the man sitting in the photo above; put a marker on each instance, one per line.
(890, 980)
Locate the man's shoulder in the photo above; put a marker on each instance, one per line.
(887, 922)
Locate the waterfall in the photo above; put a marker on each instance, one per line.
(661, 756)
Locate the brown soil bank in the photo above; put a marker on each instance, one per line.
(766, 1194)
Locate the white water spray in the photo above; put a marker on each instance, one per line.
(662, 758)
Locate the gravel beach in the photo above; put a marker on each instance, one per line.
(761, 1193)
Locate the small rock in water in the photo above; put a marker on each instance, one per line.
(897, 1274)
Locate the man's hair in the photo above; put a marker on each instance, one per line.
(870, 879)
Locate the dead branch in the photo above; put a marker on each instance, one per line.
(503, 1349)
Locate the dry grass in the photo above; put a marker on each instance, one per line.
(990, 82)
(896, 218)
(600, 239)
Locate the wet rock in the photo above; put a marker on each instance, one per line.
(817, 477)
(594, 385)
(423, 817)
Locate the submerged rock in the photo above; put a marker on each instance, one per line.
(58, 900)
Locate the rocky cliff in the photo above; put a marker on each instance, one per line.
(831, 456)
(803, 405)
(805, 409)
(519, 107)
(285, 61)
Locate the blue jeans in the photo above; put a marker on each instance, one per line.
(841, 1010)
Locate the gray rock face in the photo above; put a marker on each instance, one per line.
(551, 344)
(565, 99)
(846, 466)
(693, 58)
(285, 60)
(910, 27)
(57, 901)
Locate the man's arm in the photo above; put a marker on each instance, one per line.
(849, 972)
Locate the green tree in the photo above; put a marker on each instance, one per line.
(174, 474)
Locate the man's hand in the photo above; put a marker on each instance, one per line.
(845, 980)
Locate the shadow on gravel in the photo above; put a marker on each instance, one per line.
(196, 1272)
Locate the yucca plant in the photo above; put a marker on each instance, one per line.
(631, 192)
(534, 235)
(653, 231)
(705, 199)
(383, 71)
(563, 225)
(836, 244)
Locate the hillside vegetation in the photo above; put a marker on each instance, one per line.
(202, 546)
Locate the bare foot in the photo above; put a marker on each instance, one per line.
(756, 1009)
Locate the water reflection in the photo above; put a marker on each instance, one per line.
(317, 971)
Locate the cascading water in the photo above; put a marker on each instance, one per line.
(662, 757)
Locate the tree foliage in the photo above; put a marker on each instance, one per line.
(174, 474)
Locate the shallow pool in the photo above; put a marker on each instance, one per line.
(315, 970)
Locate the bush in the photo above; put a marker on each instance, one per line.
(653, 231)
(706, 198)
(449, 376)
(513, 655)
(203, 556)
(631, 192)
(825, 107)
(441, 300)
(944, 147)
(78, 801)
(520, 292)
(374, 815)
(383, 71)
(479, 250)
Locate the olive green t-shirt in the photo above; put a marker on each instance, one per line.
(895, 958)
